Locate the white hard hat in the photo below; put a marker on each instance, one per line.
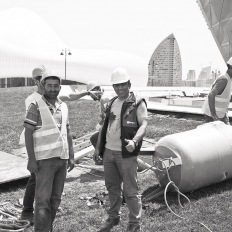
(230, 61)
(91, 85)
(37, 71)
(49, 73)
(119, 75)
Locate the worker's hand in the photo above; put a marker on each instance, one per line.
(130, 146)
(71, 164)
(96, 156)
(215, 118)
(32, 166)
(95, 95)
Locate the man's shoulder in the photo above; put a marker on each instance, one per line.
(222, 80)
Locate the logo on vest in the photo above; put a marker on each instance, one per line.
(128, 122)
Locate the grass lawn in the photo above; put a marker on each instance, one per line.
(210, 205)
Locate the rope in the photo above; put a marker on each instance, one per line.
(12, 224)
(179, 194)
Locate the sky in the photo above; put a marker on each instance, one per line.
(135, 26)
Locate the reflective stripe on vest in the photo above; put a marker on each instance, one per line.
(49, 141)
(221, 101)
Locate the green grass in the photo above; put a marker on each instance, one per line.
(209, 205)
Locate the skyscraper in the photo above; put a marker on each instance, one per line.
(165, 67)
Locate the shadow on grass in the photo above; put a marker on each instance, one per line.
(90, 176)
(13, 185)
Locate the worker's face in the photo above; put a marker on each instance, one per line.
(122, 89)
(51, 88)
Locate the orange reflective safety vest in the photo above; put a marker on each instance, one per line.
(49, 141)
(221, 101)
(31, 98)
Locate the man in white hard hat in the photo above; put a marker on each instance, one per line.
(119, 142)
(216, 104)
(50, 149)
(28, 200)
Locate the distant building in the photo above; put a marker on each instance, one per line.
(189, 83)
(205, 73)
(207, 77)
(165, 66)
(191, 75)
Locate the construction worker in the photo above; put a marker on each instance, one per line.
(119, 142)
(29, 196)
(50, 150)
(216, 104)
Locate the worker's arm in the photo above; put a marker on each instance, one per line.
(96, 155)
(71, 162)
(217, 89)
(142, 120)
(77, 95)
(29, 141)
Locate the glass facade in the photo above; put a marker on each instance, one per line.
(218, 15)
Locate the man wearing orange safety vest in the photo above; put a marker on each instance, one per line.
(50, 150)
(216, 104)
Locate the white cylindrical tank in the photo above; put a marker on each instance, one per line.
(203, 156)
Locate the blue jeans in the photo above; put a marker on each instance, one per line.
(50, 180)
(120, 170)
(29, 195)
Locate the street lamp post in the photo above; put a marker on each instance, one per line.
(216, 73)
(65, 52)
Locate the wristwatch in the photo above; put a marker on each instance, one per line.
(135, 142)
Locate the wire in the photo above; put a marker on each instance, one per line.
(179, 194)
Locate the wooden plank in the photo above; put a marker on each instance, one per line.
(12, 168)
(82, 139)
(168, 108)
(81, 146)
(87, 151)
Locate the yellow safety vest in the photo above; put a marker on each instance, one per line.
(221, 101)
(49, 141)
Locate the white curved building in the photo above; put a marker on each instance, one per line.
(31, 41)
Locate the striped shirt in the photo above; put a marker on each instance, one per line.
(33, 118)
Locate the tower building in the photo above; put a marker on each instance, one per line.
(165, 67)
